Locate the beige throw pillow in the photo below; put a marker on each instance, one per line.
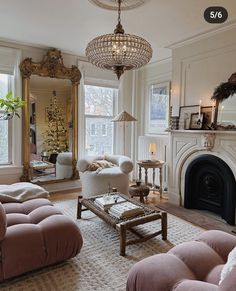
(99, 164)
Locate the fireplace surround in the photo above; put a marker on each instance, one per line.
(195, 148)
(210, 185)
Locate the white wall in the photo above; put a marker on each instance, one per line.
(200, 65)
(153, 73)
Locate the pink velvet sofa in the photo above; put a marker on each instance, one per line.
(34, 234)
(190, 266)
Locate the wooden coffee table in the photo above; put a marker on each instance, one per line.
(122, 225)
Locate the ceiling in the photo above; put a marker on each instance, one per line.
(69, 25)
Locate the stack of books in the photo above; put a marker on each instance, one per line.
(125, 210)
(107, 201)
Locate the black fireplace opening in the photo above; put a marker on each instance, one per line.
(210, 185)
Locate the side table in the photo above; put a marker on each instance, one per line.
(139, 190)
(151, 165)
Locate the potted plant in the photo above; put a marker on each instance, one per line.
(10, 106)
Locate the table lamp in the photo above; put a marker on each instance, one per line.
(152, 151)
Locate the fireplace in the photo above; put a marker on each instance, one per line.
(210, 185)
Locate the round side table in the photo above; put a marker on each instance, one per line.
(140, 191)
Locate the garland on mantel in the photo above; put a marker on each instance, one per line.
(225, 90)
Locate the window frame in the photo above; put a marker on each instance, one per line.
(10, 121)
(114, 112)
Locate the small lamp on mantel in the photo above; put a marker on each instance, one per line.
(152, 151)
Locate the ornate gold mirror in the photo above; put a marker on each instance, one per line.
(50, 119)
(225, 98)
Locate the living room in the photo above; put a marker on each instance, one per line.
(163, 132)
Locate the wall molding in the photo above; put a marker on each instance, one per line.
(156, 63)
(185, 65)
(202, 35)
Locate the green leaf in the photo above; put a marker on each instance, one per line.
(9, 95)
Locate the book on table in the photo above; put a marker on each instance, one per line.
(107, 201)
(125, 210)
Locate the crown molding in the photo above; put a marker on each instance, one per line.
(158, 62)
(201, 36)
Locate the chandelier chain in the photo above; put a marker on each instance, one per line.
(119, 11)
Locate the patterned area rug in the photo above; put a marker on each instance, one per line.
(99, 266)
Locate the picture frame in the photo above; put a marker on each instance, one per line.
(158, 107)
(185, 115)
(207, 117)
(195, 121)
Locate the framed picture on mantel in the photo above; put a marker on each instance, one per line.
(207, 117)
(196, 121)
(185, 113)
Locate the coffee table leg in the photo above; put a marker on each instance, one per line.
(141, 198)
(122, 240)
(164, 225)
(79, 207)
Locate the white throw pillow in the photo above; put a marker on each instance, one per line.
(231, 262)
(20, 192)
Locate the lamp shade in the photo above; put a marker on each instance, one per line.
(152, 148)
(124, 116)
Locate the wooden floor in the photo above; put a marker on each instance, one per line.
(203, 219)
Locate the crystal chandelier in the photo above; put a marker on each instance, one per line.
(119, 51)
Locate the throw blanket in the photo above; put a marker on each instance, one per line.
(20, 192)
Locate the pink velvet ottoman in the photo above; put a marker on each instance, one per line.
(190, 266)
(34, 234)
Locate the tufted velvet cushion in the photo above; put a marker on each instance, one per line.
(37, 235)
(3, 222)
(190, 266)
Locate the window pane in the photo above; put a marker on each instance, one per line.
(98, 143)
(4, 153)
(5, 83)
(99, 100)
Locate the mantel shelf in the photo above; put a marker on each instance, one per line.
(203, 131)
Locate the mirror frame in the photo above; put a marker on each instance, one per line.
(51, 66)
(222, 92)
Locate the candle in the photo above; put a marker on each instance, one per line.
(199, 112)
(213, 112)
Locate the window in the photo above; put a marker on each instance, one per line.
(158, 120)
(5, 125)
(104, 130)
(99, 111)
(92, 129)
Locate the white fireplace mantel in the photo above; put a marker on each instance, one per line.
(186, 145)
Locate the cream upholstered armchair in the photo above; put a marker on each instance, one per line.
(64, 165)
(113, 174)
